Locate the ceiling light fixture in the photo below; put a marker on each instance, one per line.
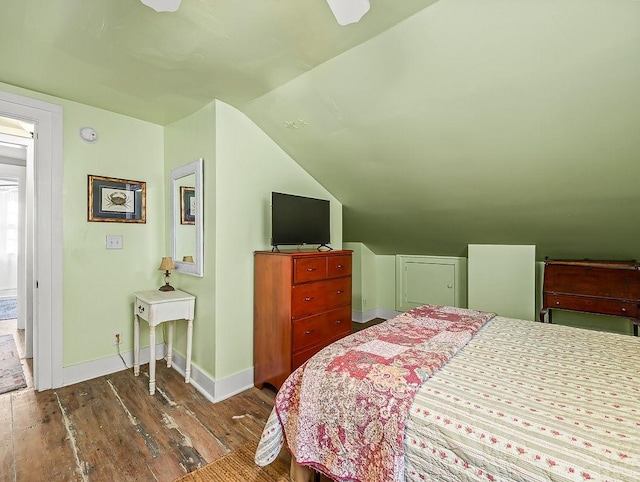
(348, 11)
(163, 5)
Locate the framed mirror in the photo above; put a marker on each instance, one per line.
(185, 188)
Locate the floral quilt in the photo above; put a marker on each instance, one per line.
(344, 411)
(530, 402)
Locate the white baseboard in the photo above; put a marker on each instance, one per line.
(105, 366)
(212, 390)
(364, 316)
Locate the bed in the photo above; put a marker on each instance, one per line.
(441, 393)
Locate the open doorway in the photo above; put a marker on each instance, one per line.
(47, 241)
(16, 253)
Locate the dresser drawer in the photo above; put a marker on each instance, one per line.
(309, 269)
(311, 298)
(319, 328)
(592, 305)
(302, 356)
(156, 313)
(299, 358)
(142, 309)
(338, 266)
(302, 303)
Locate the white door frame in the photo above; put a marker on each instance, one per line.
(47, 310)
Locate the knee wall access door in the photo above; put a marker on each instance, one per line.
(431, 280)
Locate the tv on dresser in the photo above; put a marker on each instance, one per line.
(299, 220)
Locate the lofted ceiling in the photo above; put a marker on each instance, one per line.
(123, 56)
(437, 124)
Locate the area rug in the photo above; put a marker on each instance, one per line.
(11, 374)
(8, 308)
(238, 466)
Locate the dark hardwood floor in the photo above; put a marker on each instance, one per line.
(356, 326)
(110, 429)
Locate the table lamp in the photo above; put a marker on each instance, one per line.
(166, 265)
(187, 259)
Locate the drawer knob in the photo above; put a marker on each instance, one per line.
(140, 309)
(338, 322)
(557, 302)
(340, 266)
(449, 286)
(308, 332)
(339, 292)
(308, 298)
(311, 269)
(624, 310)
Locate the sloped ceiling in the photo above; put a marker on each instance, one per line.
(493, 121)
(507, 122)
(160, 67)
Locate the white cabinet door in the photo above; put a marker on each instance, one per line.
(424, 280)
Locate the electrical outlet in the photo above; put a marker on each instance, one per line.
(117, 338)
(364, 302)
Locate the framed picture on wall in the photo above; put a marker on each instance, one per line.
(117, 200)
(187, 205)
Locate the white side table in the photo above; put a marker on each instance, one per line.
(156, 307)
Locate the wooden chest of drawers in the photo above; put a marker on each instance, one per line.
(602, 287)
(302, 303)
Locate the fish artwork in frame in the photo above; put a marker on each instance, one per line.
(116, 200)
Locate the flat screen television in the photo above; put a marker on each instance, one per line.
(299, 220)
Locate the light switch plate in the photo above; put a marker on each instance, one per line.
(114, 241)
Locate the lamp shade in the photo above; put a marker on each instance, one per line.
(166, 264)
(187, 259)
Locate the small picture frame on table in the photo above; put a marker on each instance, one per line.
(187, 205)
(117, 200)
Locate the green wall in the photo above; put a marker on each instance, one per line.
(374, 279)
(380, 273)
(385, 269)
(365, 278)
(242, 166)
(249, 166)
(501, 279)
(185, 141)
(98, 284)
(357, 275)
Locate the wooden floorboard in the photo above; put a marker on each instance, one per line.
(110, 429)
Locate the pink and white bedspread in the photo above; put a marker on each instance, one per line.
(528, 401)
(344, 411)
(522, 401)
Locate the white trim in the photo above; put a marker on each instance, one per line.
(214, 390)
(106, 366)
(195, 168)
(364, 316)
(230, 386)
(48, 334)
(199, 379)
(207, 386)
